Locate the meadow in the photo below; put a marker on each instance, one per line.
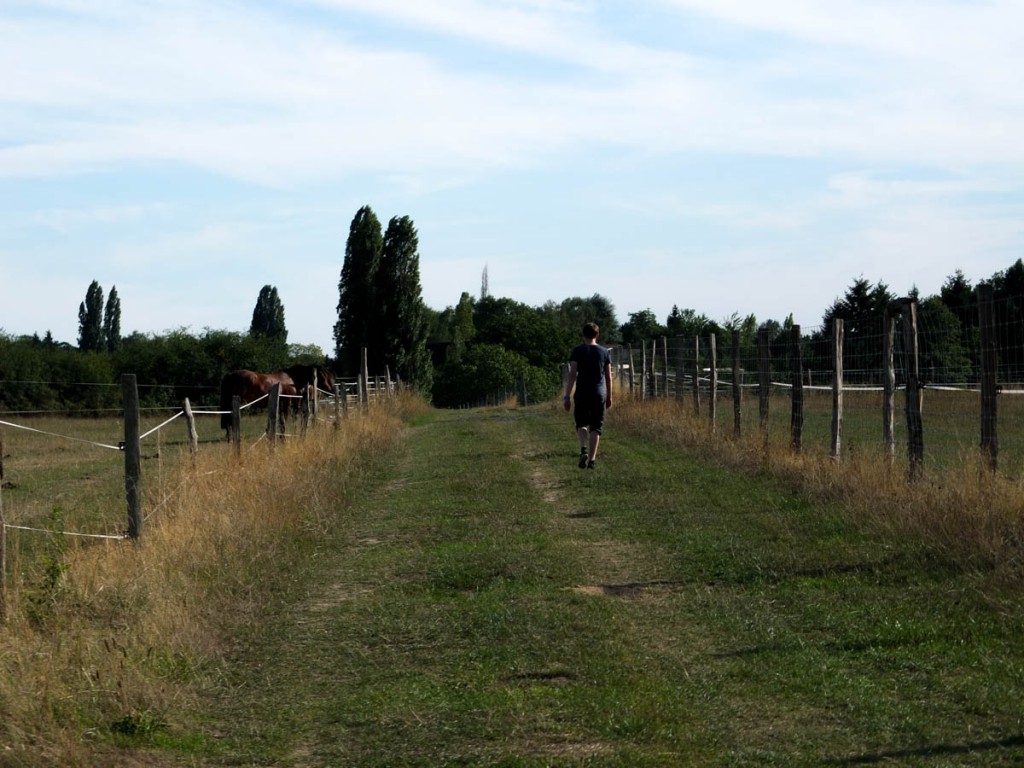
(421, 587)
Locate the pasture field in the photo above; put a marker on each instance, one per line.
(65, 473)
(457, 592)
(952, 425)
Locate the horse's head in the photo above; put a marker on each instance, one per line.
(325, 379)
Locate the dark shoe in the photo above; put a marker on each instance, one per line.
(590, 465)
(583, 459)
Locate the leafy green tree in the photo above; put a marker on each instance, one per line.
(268, 316)
(574, 311)
(403, 317)
(463, 329)
(944, 358)
(112, 321)
(490, 370)
(90, 320)
(642, 326)
(523, 329)
(688, 323)
(862, 310)
(1008, 295)
(358, 323)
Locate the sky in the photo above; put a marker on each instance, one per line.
(726, 156)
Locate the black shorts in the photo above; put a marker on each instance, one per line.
(589, 413)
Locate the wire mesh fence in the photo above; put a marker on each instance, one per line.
(949, 371)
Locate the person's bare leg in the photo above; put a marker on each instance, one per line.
(583, 432)
(595, 440)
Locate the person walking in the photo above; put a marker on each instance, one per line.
(590, 372)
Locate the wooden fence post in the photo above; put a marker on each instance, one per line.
(3, 541)
(764, 378)
(364, 380)
(337, 405)
(521, 386)
(837, 386)
(680, 367)
(654, 368)
(132, 454)
(713, 397)
(989, 368)
(273, 404)
(236, 423)
(737, 386)
(915, 429)
(643, 369)
(889, 384)
(664, 366)
(629, 349)
(190, 426)
(696, 375)
(796, 419)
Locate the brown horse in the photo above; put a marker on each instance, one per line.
(306, 379)
(251, 387)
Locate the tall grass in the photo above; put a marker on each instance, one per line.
(959, 511)
(110, 642)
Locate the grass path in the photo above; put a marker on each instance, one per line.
(488, 603)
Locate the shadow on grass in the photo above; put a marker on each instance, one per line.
(928, 751)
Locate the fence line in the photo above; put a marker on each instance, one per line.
(926, 355)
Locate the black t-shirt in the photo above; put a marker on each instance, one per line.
(591, 360)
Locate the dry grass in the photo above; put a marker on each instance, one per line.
(962, 512)
(117, 637)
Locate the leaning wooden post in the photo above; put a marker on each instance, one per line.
(3, 541)
(696, 375)
(273, 405)
(337, 405)
(653, 368)
(680, 367)
(236, 423)
(643, 369)
(764, 378)
(915, 429)
(132, 455)
(664, 367)
(737, 386)
(304, 410)
(796, 419)
(364, 380)
(989, 368)
(889, 384)
(632, 378)
(837, 386)
(713, 397)
(190, 426)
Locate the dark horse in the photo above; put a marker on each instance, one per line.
(251, 386)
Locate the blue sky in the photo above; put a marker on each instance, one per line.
(729, 156)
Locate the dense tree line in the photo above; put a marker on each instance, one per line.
(475, 348)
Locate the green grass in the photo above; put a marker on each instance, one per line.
(484, 602)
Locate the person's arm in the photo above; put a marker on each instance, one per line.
(570, 382)
(608, 385)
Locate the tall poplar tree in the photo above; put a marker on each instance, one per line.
(90, 320)
(359, 311)
(404, 317)
(112, 321)
(268, 316)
